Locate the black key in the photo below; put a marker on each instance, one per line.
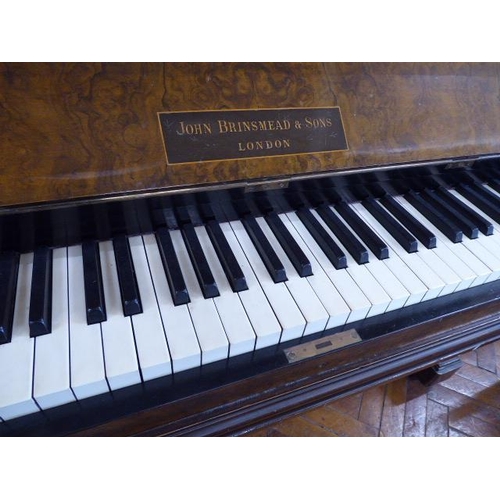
(464, 224)
(482, 202)
(494, 184)
(129, 289)
(40, 313)
(358, 252)
(323, 239)
(413, 225)
(9, 267)
(485, 226)
(202, 269)
(450, 230)
(363, 231)
(171, 266)
(407, 241)
(290, 246)
(272, 262)
(92, 277)
(227, 258)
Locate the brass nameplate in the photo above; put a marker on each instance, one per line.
(322, 345)
(197, 136)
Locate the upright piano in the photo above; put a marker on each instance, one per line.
(202, 249)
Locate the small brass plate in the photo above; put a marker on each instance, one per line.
(322, 345)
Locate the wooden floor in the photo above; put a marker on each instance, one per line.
(466, 404)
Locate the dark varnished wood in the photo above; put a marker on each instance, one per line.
(70, 131)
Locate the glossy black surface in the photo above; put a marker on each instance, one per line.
(9, 266)
(426, 237)
(92, 278)
(173, 272)
(447, 227)
(393, 227)
(292, 249)
(232, 269)
(361, 229)
(357, 251)
(129, 290)
(203, 272)
(272, 262)
(478, 197)
(40, 312)
(334, 253)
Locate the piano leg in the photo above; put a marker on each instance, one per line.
(437, 373)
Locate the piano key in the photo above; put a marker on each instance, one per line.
(484, 225)
(229, 263)
(9, 266)
(292, 250)
(471, 271)
(236, 324)
(435, 284)
(94, 294)
(129, 291)
(178, 328)
(310, 306)
(426, 237)
(260, 313)
(40, 314)
(88, 376)
(485, 248)
(349, 291)
(288, 314)
(478, 198)
(363, 231)
(120, 356)
(16, 357)
(331, 299)
(199, 262)
(151, 344)
(334, 253)
(375, 293)
(446, 210)
(392, 226)
(450, 230)
(207, 324)
(266, 252)
(171, 268)
(358, 252)
(51, 372)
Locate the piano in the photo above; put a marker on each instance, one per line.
(202, 249)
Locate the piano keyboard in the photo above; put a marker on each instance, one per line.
(93, 318)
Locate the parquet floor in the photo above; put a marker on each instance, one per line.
(466, 404)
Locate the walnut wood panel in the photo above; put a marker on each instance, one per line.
(71, 131)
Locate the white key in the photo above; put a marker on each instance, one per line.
(51, 378)
(88, 377)
(361, 275)
(342, 281)
(120, 357)
(265, 325)
(207, 324)
(152, 348)
(385, 277)
(335, 305)
(16, 357)
(291, 319)
(237, 326)
(311, 307)
(445, 250)
(181, 338)
(432, 281)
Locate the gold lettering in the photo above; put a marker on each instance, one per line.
(261, 145)
(194, 129)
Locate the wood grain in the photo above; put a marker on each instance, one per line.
(78, 130)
